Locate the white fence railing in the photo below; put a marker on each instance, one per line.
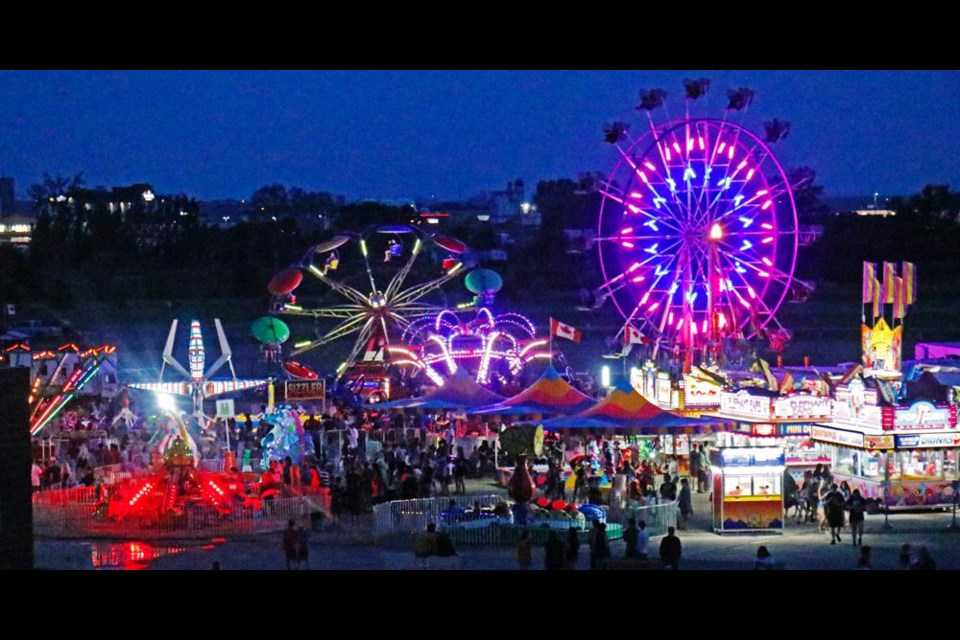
(411, 516)
(82, 520)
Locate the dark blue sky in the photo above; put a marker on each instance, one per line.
(390, 134)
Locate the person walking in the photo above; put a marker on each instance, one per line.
(834, 512)
(291, 542)
(630, 539)
(685, 500)
(671, 549)
(525, 550)
(599, 546)
(857, 507)
(553, 553)
(905, 560)
(924, 561)
(643, 540)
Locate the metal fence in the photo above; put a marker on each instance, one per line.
(658, 517)
(82, 520)
(412, 516)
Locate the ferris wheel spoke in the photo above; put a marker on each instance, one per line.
(344, 290)
(361, 342)
(397, 281)
(340, 331)
(415, 293)
(336, 311)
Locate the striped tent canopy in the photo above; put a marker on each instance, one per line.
(550, 394)
(459, 391)
(626, 411)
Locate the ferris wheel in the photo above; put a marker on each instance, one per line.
(697, 231)
(366, 274)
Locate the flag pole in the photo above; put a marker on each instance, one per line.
(550, 347)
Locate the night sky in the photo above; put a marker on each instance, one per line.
(448, 134)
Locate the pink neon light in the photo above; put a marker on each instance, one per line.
(654, 306)
(762, 192)
(767, 240)
(689, 145)
(730, 153)
(633, 208)
(645, 297)
(626, 230)
(680, 324)
(693, 328)
(701, 143)
(643, 177)
(766, 205)
(633, 267)
(704, 326)
(767, 262)
(722, 321)
(650, 165)
(750, 174)
(638, 279)
(767, 226)
(676, 147)
(723, 145)
(744, 303)
(741, 165)
(634, 194)
(670, 318)
(628, 245)
(751, 292)
(668, 153)
(763, 274)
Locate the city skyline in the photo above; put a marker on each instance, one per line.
(447, 134)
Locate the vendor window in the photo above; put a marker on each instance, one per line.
(766, 485)
(846, 461)
(737, 486)
(921, 464)
(873, 465)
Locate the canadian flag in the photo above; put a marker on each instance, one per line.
(564, 331)
(632, 335)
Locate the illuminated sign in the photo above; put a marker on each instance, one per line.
(663, 390)
(878, 442)
(306, 389)
(923, 415)
(751, 456)
(700, 393)
(921, 440)
(865, 415)
(846, 438)
(802, 407)
(743, 404)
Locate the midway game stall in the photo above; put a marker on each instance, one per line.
(784, 421)
(911, 451)
(747, 489)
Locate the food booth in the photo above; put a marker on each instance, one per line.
(747, 489)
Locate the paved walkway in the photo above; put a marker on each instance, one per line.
(800, 547)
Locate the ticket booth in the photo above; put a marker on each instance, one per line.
(748, 489)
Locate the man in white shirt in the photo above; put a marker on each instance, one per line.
(353, 437)
(643, 539)
(36, 472)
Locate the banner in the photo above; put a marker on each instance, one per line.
(869, 275)
(909, 272)
(899, 304)
(889, 273)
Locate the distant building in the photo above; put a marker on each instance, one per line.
(17, 230)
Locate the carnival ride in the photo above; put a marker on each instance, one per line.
(51, 387)
(383, 311)
(697, 231)
(199, 384)
(487, 345)
(175, 482)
